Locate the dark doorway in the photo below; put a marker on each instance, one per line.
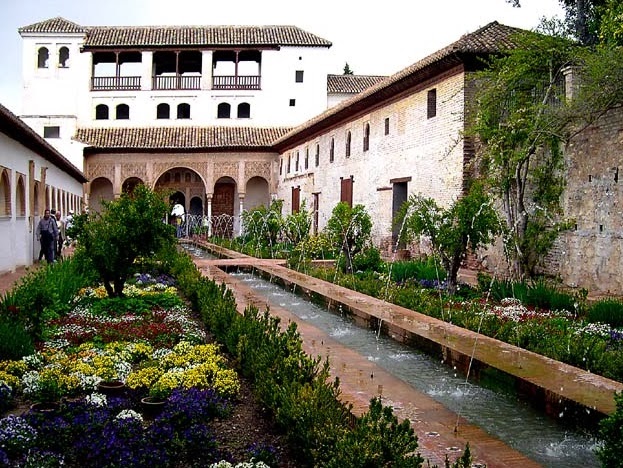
(399, 196)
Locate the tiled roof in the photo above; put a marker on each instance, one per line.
(180, 137)
(189, 36)
(351, 84)
(15, 128)
(201, 36)
(53, 25)
(492, 38)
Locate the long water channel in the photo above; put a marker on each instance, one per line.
(520, 426)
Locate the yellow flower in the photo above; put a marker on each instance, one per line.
(11, 380)
(16, 368)
(144, 378)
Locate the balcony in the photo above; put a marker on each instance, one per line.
(177, 82)
(236, 82)
(115, 83)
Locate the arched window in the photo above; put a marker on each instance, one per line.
(183, 111)
(63, 57)
(332, 151)
(163, 111)
(348, 138)
(366, 137)
(20, 197)
(5, 194)
(223, 111)
(42, 57)
(101, 112)
(122, 112)
(244, 110)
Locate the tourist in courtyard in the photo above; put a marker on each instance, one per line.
(47, 235)
(60, 224)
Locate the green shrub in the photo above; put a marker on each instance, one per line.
(546, 296)
(608, 311)
(611, 432)
(428, 268)
(367, 260)
(15, 342)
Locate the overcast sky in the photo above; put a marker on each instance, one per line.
(375, 38)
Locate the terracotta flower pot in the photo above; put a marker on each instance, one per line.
(111, 387)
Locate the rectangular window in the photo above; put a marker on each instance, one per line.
(52, 132)
(387, 126)
(317, 155)
(432, 104)
(296, 164)
(299, 76)
(306, 158)
(292, 102)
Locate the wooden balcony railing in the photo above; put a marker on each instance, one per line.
(177, 82)
(115, 83)
(236, 82)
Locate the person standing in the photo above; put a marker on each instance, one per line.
(47, 234)
(60, 224)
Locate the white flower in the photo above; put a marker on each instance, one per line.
(97, 399)
(129, 414)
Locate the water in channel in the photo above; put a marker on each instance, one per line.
(518, 425)
(514, 422)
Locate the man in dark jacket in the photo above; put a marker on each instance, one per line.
(47, 234)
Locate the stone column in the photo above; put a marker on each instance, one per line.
(147, 58)
(241, 205)
(209, 197)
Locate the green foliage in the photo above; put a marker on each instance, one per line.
(128, 228)
(296, 225)
(378, 440)
(608, 311)
(471, 222)
(349, 228)
(611, 26)
(43, 294)
(368, 259)
(611, 432)
(262, 226)
(15, 341)
(428, 268)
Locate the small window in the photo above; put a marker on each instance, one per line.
(332, 151)
(366, 137)
(183, 111)
(122, 112)
(163, 111)
(223, 111)
(347, 149)
(432, 104)
(244, 110)
(281, 166)
(387, 126)
(63, 57)
(317, 155)
(299, 76)
(292, 102)
(101, 112)
(52, 132)
(289, 163)
(296, 163)
(42, 57)
(306, 158)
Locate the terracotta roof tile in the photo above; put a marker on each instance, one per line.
(494, 37)
(194, 36)
(351, 84)
(53, 25)
(179, 137)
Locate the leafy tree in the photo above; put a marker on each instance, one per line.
(523, 119)
(583, 17)
(347, 70)
(470, 222)
(127, 228)
(349, 228)
(296, 225)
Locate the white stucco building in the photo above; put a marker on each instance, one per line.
(33, 177)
